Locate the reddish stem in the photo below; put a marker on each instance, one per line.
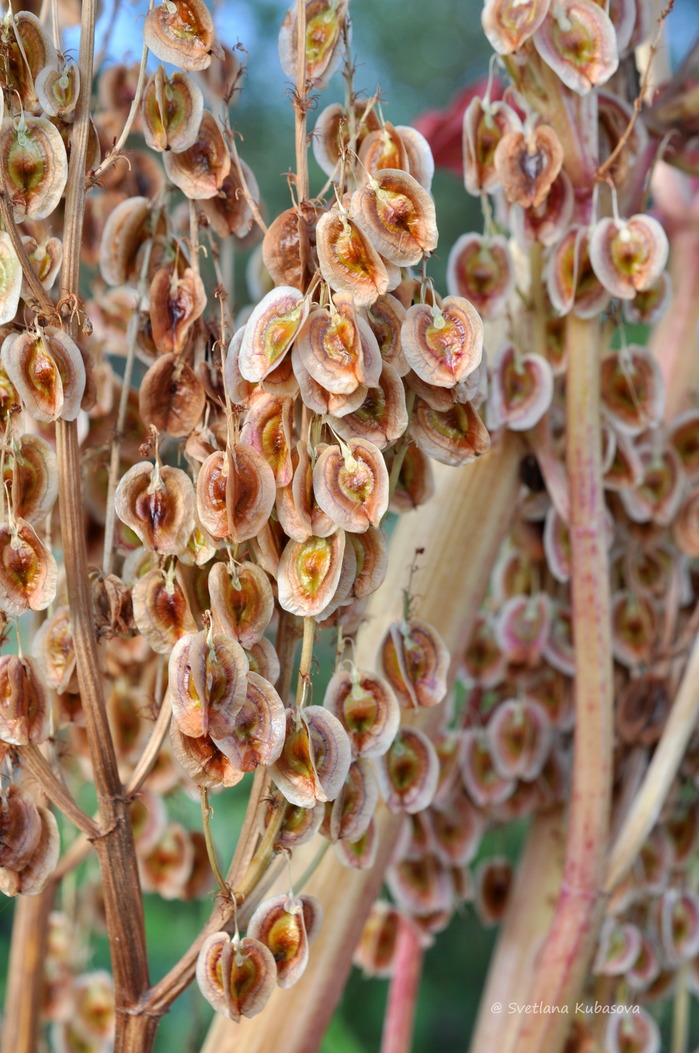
(402, 995)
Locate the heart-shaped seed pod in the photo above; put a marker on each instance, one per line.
(527, 164)
(47, 369)
(397, 215)
(171, 111)
(650, 568)
(509, 23)
(199, 171)
(167, 868)
(408, 772)
(456, 436)
(58, 90)
(482, 781)
(309, 573)
(250, 491)
(457, 829)
(34, 164)
(33, 878)
(483, 661)
(657, 495)
(208, 679)
(331, 135)
(348, 260)
(31, 478)
(443, 345)
(315, 759)
(229, 212)
(297, 508)
(384, 148)
(522, 628)
(571, 283)
(521, 736)
(176, 301)
(632, 389)
(158, 504)
(24, 713)
(20, 829)
(386, 316)
(325, 21)
(578, 42)
(367, 709)
(415, 483)
(53, 649)
(236, 976)
(421, 886)
(355, 804)
(628, 255)
(351, 485)
(415, 661)
(267, 429)
(161, 610)
(618, 947)
(480, 271)
(492, 883)
(180, 32)
(260, 727)
(10, 279)
(317, 399)
(203, 760)
(46, 258)
(270, 331)
(634, 628)
(521, 389)
(286, 246)
(279, 924)
(633, 1031)
(28, 571)
(330, 348)
(485, 123)
(27, 50)
(171, 397)
(242, 602)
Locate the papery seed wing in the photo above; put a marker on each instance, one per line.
(279, 923)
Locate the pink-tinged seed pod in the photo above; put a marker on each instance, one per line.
(161, 610)
(315, 397)
(579, 43)
(657, 495)
(236, 976)
(202, 760)
(520, 737)
(509, 23)
(421, 886)
(171, 111)
(268, 429)
(443, 344)
(351, 485)
(270, 331)
(28, 571)
(309, 573)
(34, 164)
(371, 557)
(557, 546)
(482, 781)
(485, 123)
(354, 806)
(325, 22)
(10, 279)
(158, 504)
(382, 418)
(171, 397)
(47, 369)
(527, 165)
(259, 730)
(167, 867)
(383, 148)
(521, 389)
(199, 171)
(375, 951)
(367, 709)
(331, 135)
(385, 316)
(546, 223)
(242, 601)
(522, 628)
(626, 469)
(418, 153)
(207, 675)
(235, 492)
(634, 1031)
(20, 829)
(416, 839)
(646, 967)
(632, 389)
(415, 661)
(678, 925)
(457, 829)
(618, 947)
(24, 712)
(634, 628)
(649, 305)
(348, 260)
(398, 216)
(480, 270)
(180, 32)
(331, 348)
(315, 759)
(492, 884)
(628, 255)
(359, 854)
(264, 660)
(296, 506)
(31, 478)
(299, 825)
(455, 436)
(571, 283)
(408, 772)
(175, 302)
(559, 649)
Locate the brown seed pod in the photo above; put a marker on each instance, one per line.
(171, 111)
(48, 371)
(296, 505)
(126, 229)
(203, 760)
(423, 887)
(351, 484)
(628, 255)
(264, 660)
(241, 483)
(167, 867)
(527, 165)
(485, 123)
(354, 806)
(331, 348)
(11, 281)
(331, 135)
(385, 317)
(286, 246)
(632, 389)
(242, 601)
(58, 90)
(161, 609)
(267, 429)
(34, 164)
(28, 571)
(53, 649)
(348, 261)
(360, 854)
(415, 483)
(641, 710)
(309, 572)
(270, 332)
(415, 661)
(299, 825)
(579, 43)
(408, 772)
(493, 881)
(398, 215)
(31, 478)
(199, 171)
(20, 829)
(480, 270)
(314, 762)
(24, 712)
(171, 397)
(371, 556)
(33, 877)
(509, 23)
(236, 976)
(180, 32)
(384, 148)
(27, 50)
(259, 730)
(657, 494)
(325, 20)
(548, 222)
(520, 736)
(456, 436)
(367, 708)
(176, 301)
(443, 344)
(229, 211)
(571, 283)
(46, 258)
(158, 504)
(375, 951)
(207, 675)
